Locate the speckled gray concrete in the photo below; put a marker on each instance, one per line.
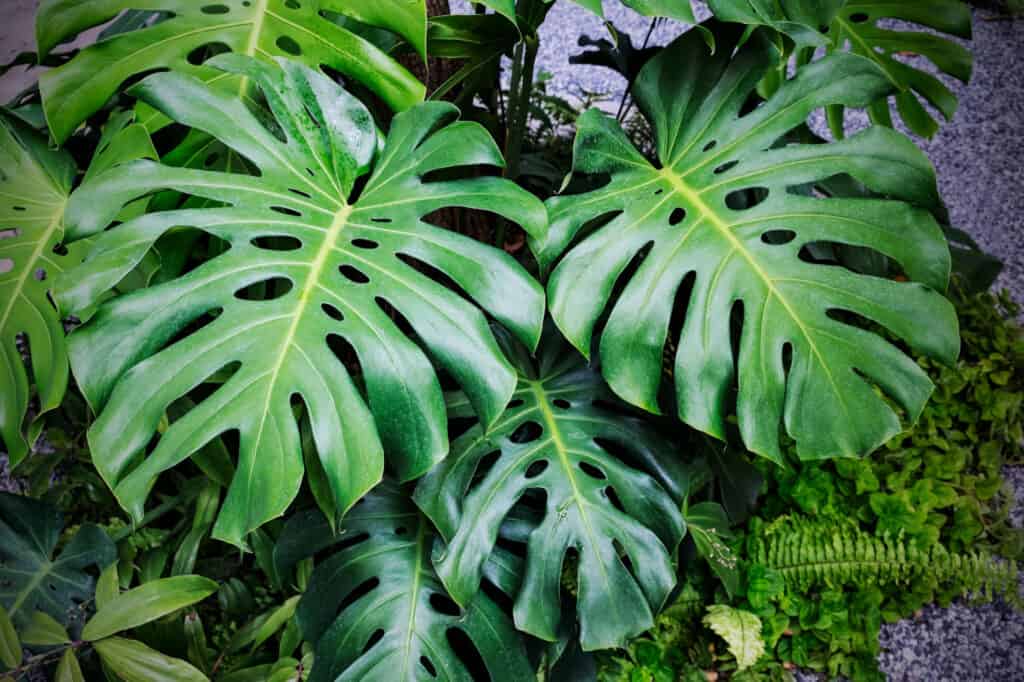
(978, 158)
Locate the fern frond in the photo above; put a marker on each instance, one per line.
(837, 553)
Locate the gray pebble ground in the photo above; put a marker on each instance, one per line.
(978, 157)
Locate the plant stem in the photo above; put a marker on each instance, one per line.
(155, 513)
(520, 92)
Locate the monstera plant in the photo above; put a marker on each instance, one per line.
(227, 226)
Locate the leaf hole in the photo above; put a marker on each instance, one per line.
(292, 4)
(658, 192)
(592, 471)
(353, 275)
(428, 666)
(470, 656)
(484, 466)
(18, 208)
(215, 9)
(401, 530)
(361, 590)
(859, 17)
(710, 145)
(561, 403)
(332, 312)
(678, 215)
(778, 237)
(518, 402)
(284, 210)
(361, 243)
(377, 635)
(380, 220)
(6, 265)
(613, 497)
(527, 432)
(728, 165)
(299, 192)
(536, 468)
(346, 354)
(40, 275)
(205, 52)
(289, 45)
(444, 605)
(265, 290)
(211, 160)
(277, 243)
(746, 199)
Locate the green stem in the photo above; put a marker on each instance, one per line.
(155, 513)
(520, 92)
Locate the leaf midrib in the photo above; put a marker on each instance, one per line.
(312, 281)
(693, 198)
(19, 285)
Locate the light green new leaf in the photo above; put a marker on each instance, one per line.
(385, 568)
(857, 29)
(43, 630)
(35, 182)
(133, 661)
(258, 28)
(146, 603)
(554, 438)
(31, 578)
(10, 645)
(718, 212)
(740, 629)
(68, 669)
(340, 263)
(108, 587)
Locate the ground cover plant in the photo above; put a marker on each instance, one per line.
(332, 353)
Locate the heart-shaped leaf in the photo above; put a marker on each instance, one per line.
(716, 243)
(341, 277)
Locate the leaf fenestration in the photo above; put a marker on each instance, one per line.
(719, 207)
(263, 29)
(347, 260)
(376, 609)
(557, 438)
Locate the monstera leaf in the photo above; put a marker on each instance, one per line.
(341, 275)
(857, 28)
(302, 29)
(31, 578)
(557, 436)
(35, 182)
(376, 610)
(708, 243)
(798, 18)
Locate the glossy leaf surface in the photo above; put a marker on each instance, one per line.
(133, 661)
(377, 611)
(31, 578)
(335, 263)
(35, 182)
(555, 438)
(715, 223)
(146, 603)
(257, 28)
(861, 28)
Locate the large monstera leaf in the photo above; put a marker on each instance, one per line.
(375, 609)
(303, 29)
(558, 437)
(35, 182)
(719, 223)
(857, 28)
(32, 577)
(338, 264)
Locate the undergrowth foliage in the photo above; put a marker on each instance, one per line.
(306, 374)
